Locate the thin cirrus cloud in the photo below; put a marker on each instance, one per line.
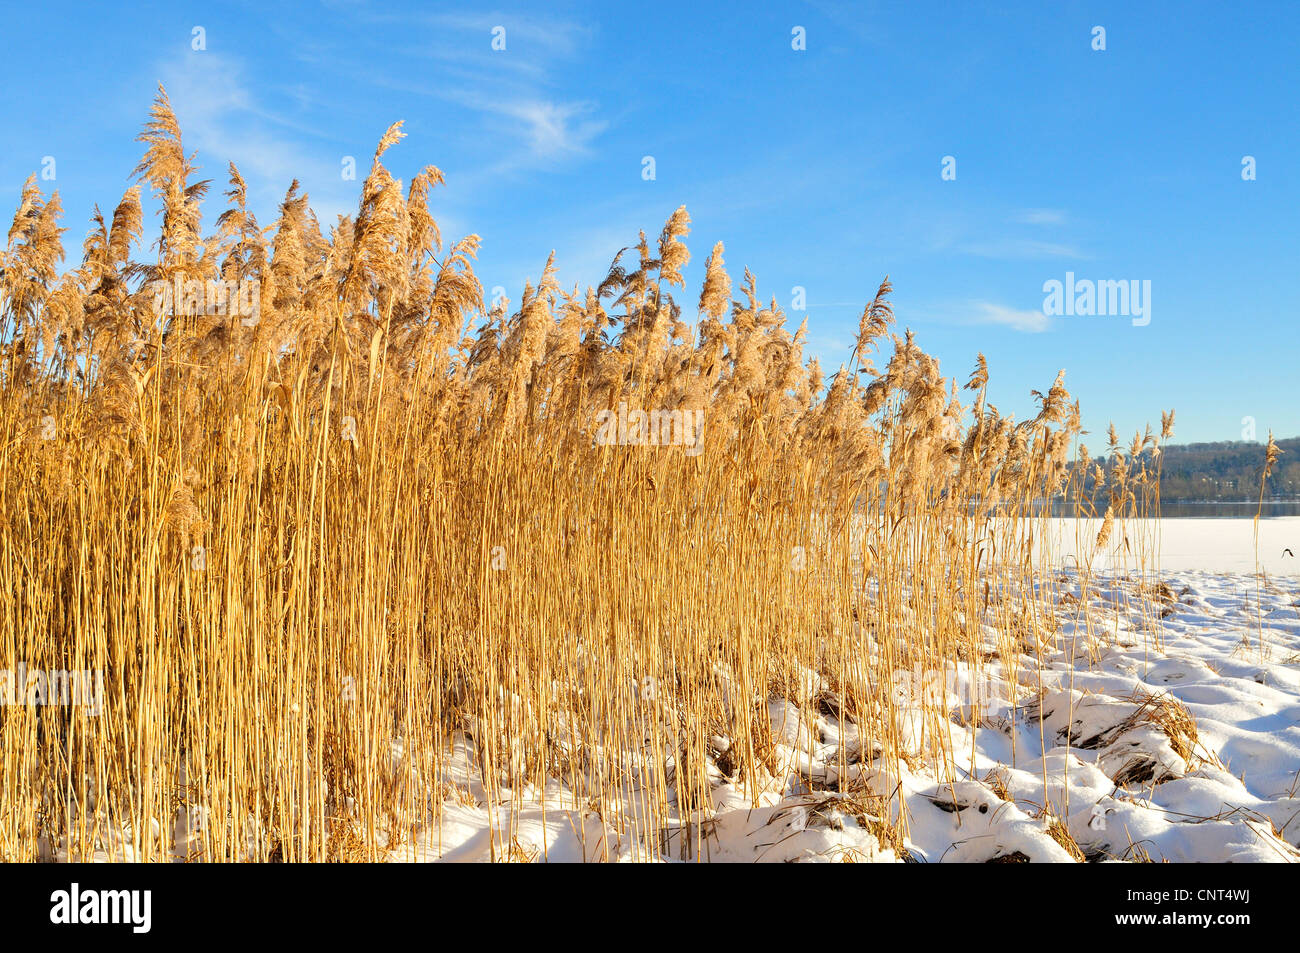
(511, 90)
(556, 129)
(224, 120)
(961, 238)
(1017, 248)
(527, 32)
(525, 130)
(988, 312)
(984, 313)
(1041, 216)
(550, 130)
(527, 123)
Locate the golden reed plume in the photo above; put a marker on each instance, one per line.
(324, 522)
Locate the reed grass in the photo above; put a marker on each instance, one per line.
(313, 552)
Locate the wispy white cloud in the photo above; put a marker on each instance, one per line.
(1014, 248)
(988, 312)
(225, 122)
(552, 130)
(530, 129)
(556, 129)
(1041, 216)
(978, 312)
(529, 33)
(963, 235)
(510, 88)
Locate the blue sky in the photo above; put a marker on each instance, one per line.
(819, 168)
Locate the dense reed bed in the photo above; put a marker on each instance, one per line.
(315, 513)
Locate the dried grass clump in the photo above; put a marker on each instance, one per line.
(327, 550)
(996, 782)
(1172, 717)
(1059, 832)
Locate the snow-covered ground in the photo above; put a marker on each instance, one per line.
(1097, 760)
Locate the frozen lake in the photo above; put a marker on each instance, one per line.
(1194, 543)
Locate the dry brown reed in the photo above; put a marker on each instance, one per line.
(313, 548)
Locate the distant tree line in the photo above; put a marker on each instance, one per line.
(1228, 470)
